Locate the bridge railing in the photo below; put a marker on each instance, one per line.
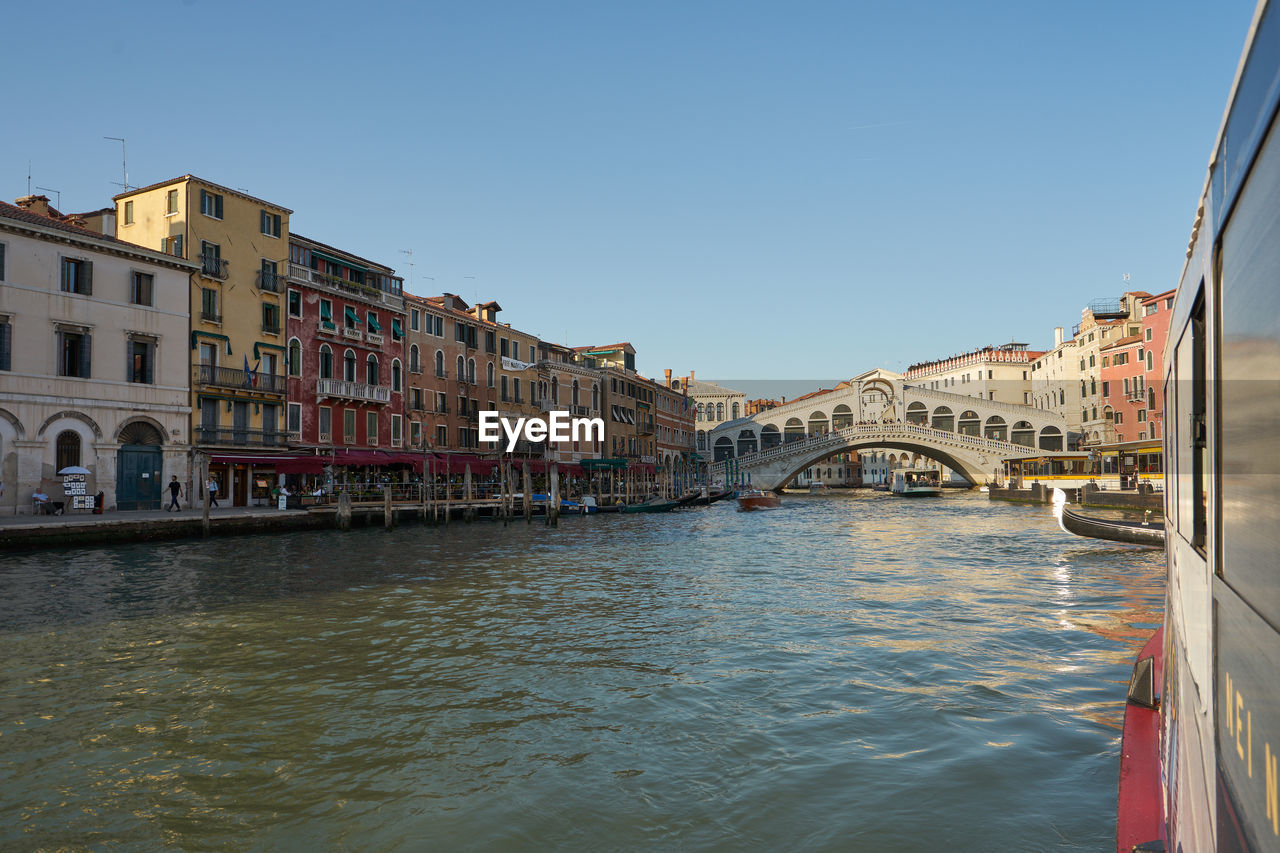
(952, 400)
(841, 438)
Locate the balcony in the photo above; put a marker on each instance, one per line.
(580, 411)
(325, 438)
(1109, 309)
(271, 282)
(210, 317)
(342, 287)
(229, 377)
(372, 339)
(241, 437)
(353, 390)
(214, 267)
(352, 334)
(326, 327)
(271, 328)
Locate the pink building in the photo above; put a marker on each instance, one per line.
(1131, 369)
(346, 324)
(1156, 312)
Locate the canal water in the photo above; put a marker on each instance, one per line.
(850, 672)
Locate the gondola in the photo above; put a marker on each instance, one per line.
(1150, 534)
(651, 505)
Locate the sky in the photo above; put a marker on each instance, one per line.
(753, 190)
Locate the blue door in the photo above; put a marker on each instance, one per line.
(138, 474)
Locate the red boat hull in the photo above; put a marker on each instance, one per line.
(765, 501)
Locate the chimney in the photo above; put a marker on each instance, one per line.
(1057, 337)
(38, 204)
(668, 374)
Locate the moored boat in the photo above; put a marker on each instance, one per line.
(756, 499)
(652, 505)
(818, 488)
(1149, 533)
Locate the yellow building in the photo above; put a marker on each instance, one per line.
(237, 341)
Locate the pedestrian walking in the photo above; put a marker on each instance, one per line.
(175, 492)
(212, 488)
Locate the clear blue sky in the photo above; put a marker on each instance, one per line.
(749, 189)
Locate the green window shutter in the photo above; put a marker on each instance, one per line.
(326, 312)
(87, 269)
(397, 331)
(86, 360)
(373, 323)
(352, 316)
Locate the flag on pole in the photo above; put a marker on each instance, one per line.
(247, 376)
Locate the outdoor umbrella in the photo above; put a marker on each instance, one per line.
(73, 469)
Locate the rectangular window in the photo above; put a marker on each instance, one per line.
(6, 344)
(371, 427)
(295, 418)
(415, 434)
(463, 435)
(171, 201)
(442, 436)
(439, 327)
(128, 213)
(172, 245)
(515, 386)
(295, 303)
(74, 354)
(1150, 334)
(504, 347)
(209, 305)
(349, 426)
(1150, 365)
(77, 276)
(326, 314)
(489, 341)
(413, 319)
(271, 318)
(140, 288)
(1106, 388)
(396, 440)
(442, 404)
(506, 395)
(1, 261)
(270, 223)
(211, 204)
(325, 425)
(141, 361)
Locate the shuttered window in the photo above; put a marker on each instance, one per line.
(140, 365)
(6, 345)
(74, 354)
(77, 276)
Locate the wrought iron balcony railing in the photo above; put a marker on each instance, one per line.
(214, 266)
(241, 437)
(229, 377)
(272, 282)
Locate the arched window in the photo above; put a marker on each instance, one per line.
(574, 401)
(595, 397)
(462, 369)
(489, 374)
(440, 363)
(719, 411)
(471, 370)
(68, 447)
(555, 391)
(415, 363)
(735, 411)
(295, 357)
(326, 362)
(349, 366)
(371, 370)
(395, 375)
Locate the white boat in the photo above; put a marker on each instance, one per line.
(914, 483)
(817, 488)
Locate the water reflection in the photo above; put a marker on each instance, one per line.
(803, 679)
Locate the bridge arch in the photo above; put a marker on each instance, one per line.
(970, 424)
(906, 446)
(1051, 438)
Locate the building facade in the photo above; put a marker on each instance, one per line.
(236, 298)
(346, 331)
(1000, 373)
(94, 362)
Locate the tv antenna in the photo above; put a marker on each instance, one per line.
(409, 252)
(58, 193)
(124, 163)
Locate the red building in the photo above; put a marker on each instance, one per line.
(1156, 312)
(346, 326)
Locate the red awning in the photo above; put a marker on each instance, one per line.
(536, 466)
(263, 461)
(375, 458)
(303, 465)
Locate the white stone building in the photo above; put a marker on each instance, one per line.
(1001, 374)
(715, 405)
(1056, 381)
(94, 362)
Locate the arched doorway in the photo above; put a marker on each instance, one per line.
(139, 467)
(841, 417)
(918, 414)
(746, 442)
(1051, 438)
(944, 419)
(1023, 433)
(996, 429)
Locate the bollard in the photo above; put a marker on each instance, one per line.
(388, 515)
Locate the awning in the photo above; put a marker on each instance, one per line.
(335, 259)
(592, 464)
(303, 465)
(397, 331)
(264, 461)
(352, 316)
(535, 466)
(326, 311)
(373, 323)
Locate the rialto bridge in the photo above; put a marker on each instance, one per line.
(879, 410)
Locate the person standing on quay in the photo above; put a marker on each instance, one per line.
(212, 488)
(175, 491)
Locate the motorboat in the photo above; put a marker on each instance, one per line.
(817, 488)
(913, 483)
(756, 499)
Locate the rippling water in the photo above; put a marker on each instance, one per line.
(855, 672)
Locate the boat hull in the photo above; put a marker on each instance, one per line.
(764, 501)
(1150, 535)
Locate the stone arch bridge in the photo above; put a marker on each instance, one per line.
(878, 410)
